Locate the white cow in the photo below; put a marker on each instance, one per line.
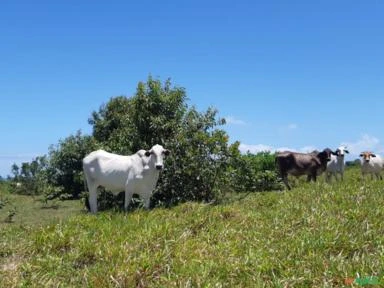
(337, 164)
(137, 173)
(371, 164)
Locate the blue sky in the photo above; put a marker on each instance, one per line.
(285, 74)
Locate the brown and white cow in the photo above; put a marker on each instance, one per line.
(371, 164)
(297, 164)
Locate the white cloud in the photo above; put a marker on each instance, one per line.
(366, 142)
(234, 121)
(292, 126)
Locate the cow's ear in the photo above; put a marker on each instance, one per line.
(147, 153)
(361, 155)
(373, 155)
(335, 153)
(346, 151)
(166, 152)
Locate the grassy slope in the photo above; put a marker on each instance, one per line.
(313, 236)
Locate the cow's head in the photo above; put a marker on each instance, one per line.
(325, 155)
(341, 151)
(157, 154)
(367, 156)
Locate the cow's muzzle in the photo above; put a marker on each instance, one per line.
(159, 167)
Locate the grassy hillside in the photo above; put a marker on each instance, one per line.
(316, 235)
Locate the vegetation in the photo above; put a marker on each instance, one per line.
(30, 178)
(157, 113)
(66, 167)
(35, 210)
(203, 166)
(317, 235)
(253, 172)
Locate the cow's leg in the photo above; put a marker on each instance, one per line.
(328, 177)
(285, 181)
(92, 192)
(146, 200)
(336, 177)
(144, 193)
(128, 196)
(92, 197)
(312, 176)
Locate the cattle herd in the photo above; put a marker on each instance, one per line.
(138, 173)
(328, 161)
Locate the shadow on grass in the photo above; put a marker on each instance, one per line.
(51, 206)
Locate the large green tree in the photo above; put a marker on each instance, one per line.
(153, 115)
(158, 114)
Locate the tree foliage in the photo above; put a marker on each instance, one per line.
(153, 115)
(198, 166)
(254, 172)
(158, 114)
(66, 169)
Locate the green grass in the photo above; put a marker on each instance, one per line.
(32, 211)
(316, 235)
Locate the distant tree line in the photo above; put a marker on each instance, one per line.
(203, 166)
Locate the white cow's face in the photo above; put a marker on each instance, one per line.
(157, 154)
(367, 156)
(341, 151)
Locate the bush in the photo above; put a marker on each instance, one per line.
(158, 114)
(254, 172)
(65, 167)
(197, 168)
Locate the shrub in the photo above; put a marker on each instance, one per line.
(254, 172)
(65, 167)
(158, 114)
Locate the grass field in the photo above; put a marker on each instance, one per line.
(316, 235)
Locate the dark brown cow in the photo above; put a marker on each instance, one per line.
(297, 164)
